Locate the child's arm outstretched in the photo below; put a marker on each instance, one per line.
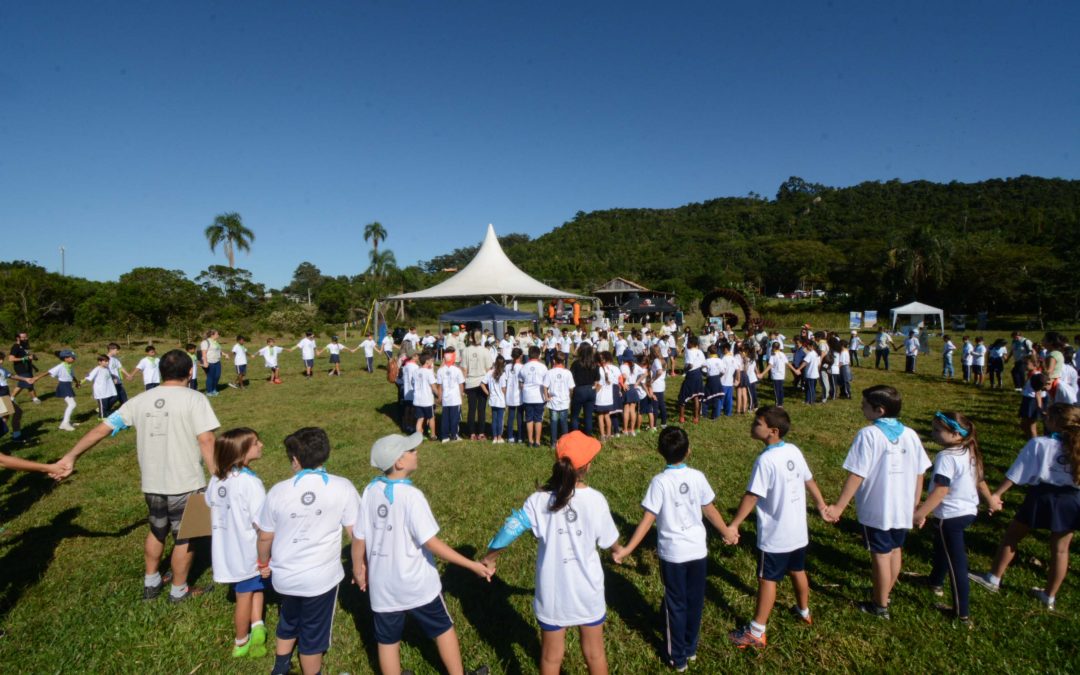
(851, 486)
(619, 553)
(819, 501)
(712, 514)
(18, 464)
(441, 550)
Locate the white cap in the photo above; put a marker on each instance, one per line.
(386, 451)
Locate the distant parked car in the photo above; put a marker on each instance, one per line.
(818, 293)
(780, 295)
(799, 294)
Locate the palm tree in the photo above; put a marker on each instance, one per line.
(229, 230)
(381, 263)
(374, 232)
(922, 261)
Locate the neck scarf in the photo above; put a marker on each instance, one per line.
(390, 483)
(891, 427)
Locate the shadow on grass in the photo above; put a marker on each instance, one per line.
(626, 600)
(488, 609)
(29, 554)
(356, 603)
(22, 493)
(30, 437)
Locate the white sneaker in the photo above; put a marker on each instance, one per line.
(984, 581)
(1042, 597)
(66, 427)
(36, 400)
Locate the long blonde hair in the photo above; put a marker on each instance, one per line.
(1065, 419)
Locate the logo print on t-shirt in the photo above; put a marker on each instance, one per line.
(159, 404)
(1062, 460)
(683, 488)
(571, 515)
(221, 492)
(790, 465)
(307, 499)
(382, 510)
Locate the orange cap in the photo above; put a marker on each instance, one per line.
(579, 448)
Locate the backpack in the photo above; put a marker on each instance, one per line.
(392, 369)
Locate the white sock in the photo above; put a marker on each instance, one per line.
(242, 641)
(70, 409)
(994, 580)
(803, 612)
(178, 591)
(256, 623)
(756, 629)
(152, 580)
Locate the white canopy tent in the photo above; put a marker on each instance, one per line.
(919, 313)
(489, 274)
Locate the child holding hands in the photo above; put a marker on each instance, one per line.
(777, 491)
(394, 541)
(676, 500)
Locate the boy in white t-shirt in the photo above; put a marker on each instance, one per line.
(532, 397)
(193, 379)
(104, 389)
(558, 383)
(778, 365)
(116, 367)
(307, 352)
(451, 390)
(885, 466)
(300, 544)
(393, 550)
(676, 500)
(151, 376)
(424, 391)
(777, 491)
(240, 358)
(369, 347)
(270, 357)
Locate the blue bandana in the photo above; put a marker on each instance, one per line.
(951, 423)
(891, 427)
(249, 472)
(774, 445)
(318, 472)
(675, 466)
(1056, 436)
(390, 483)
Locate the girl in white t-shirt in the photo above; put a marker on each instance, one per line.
(570, 520)
(494, 386)
(657, 386)
(64, 374)
(334, 347)
(605, 394)
(692, 389)
(235, 495)
(810, 370)
(957, 481)
(514, 411)
(1050, 465)
(632, 374)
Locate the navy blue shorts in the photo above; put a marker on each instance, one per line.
(310, 363)
(423, 412)
(1029, 408)
(433, 618)
(64, 390)
(335, 358)
(647, 406)
(255, 584)
(534, 412)
(24, 385)
(631, 397)
(774, 566)
(150, 386)
(1050, 507)
(241, 369)
(551, 628)
(884, 541)
(309, 621)
(977, 369)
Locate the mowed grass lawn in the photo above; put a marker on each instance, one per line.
(71, 554)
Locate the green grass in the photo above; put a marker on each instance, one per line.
(71, 564)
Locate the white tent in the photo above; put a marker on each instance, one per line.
(919, 313)
(489, 273)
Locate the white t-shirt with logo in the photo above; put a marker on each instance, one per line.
(450, 378)
(306, 515)
(234, 503)
(779, 480)
(103, 382)
(149, 367)
(388, 344)
(676, 498)
(270, 355)
(401, 572)
(729, 367)
(115, 366)
(506, 345)
(496, 388)
(609, 375)
(1042, 460)
(532, 378)
(957, 466)
(559, 382)
(513, 385)
(811, 365)
(239, 355)
(423, 394)
(569, 578)
(307, 348)
(658, 375)
(334, 348)
(408, 371)
(369, 348)
(886, 498)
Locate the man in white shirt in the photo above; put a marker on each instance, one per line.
(174, 428)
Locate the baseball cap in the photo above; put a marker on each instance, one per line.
(578, 447)
(388, 449)
(65, 353)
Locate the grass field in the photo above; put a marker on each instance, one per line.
(71, 565)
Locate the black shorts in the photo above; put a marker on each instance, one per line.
(774, 566)
(165, 514)
(1051, 507)
(884, 541)
(433, 618)
(309, 621)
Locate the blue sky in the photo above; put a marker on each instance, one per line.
(126, 127)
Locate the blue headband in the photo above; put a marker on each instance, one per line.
(952, 424)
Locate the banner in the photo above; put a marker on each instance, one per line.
(854, 320)
(869, 318)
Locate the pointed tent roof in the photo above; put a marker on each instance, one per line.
(489, 273)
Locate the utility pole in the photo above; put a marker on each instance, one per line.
(62, 271)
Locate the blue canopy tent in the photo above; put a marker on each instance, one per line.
(486, 312)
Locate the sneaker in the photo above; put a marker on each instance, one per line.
(874, 610)
(233, 385)
(679, 669)
(984, 581)
(446, 440)
(743, 638)
(36, 400)
(1042, 597)
(808, 619)
(176, 599)
(240, 651)
(257, 642)
(66, 427)
(939, 591)
(152, 592)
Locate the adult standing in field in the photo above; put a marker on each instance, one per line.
(476, 361)
(22, 360)
(174, 429)
(883, 344)
(586, 374)
(210, 349)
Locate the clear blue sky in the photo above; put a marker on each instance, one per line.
(126, 127)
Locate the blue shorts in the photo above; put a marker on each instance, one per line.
(647, 406)
(241, 369)
(309, 363)
(24, 385)
(255, 584)
(64, 390)
(774, 566)
(423, 412)
(335, 358)
(631, 397)
(551, 628)
(884, 541)
(309, 621)
(534, 412)
(433, 618)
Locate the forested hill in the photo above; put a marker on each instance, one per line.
(1000, 245)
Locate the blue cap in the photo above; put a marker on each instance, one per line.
(66, 353)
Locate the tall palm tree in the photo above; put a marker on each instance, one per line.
(229, 230)
(381, 263)
(374, 232)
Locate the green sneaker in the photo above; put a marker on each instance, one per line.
(240, 651)
(258, 642)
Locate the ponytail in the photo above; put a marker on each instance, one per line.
(562, 483)
(1065, 419)
(971, 441)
